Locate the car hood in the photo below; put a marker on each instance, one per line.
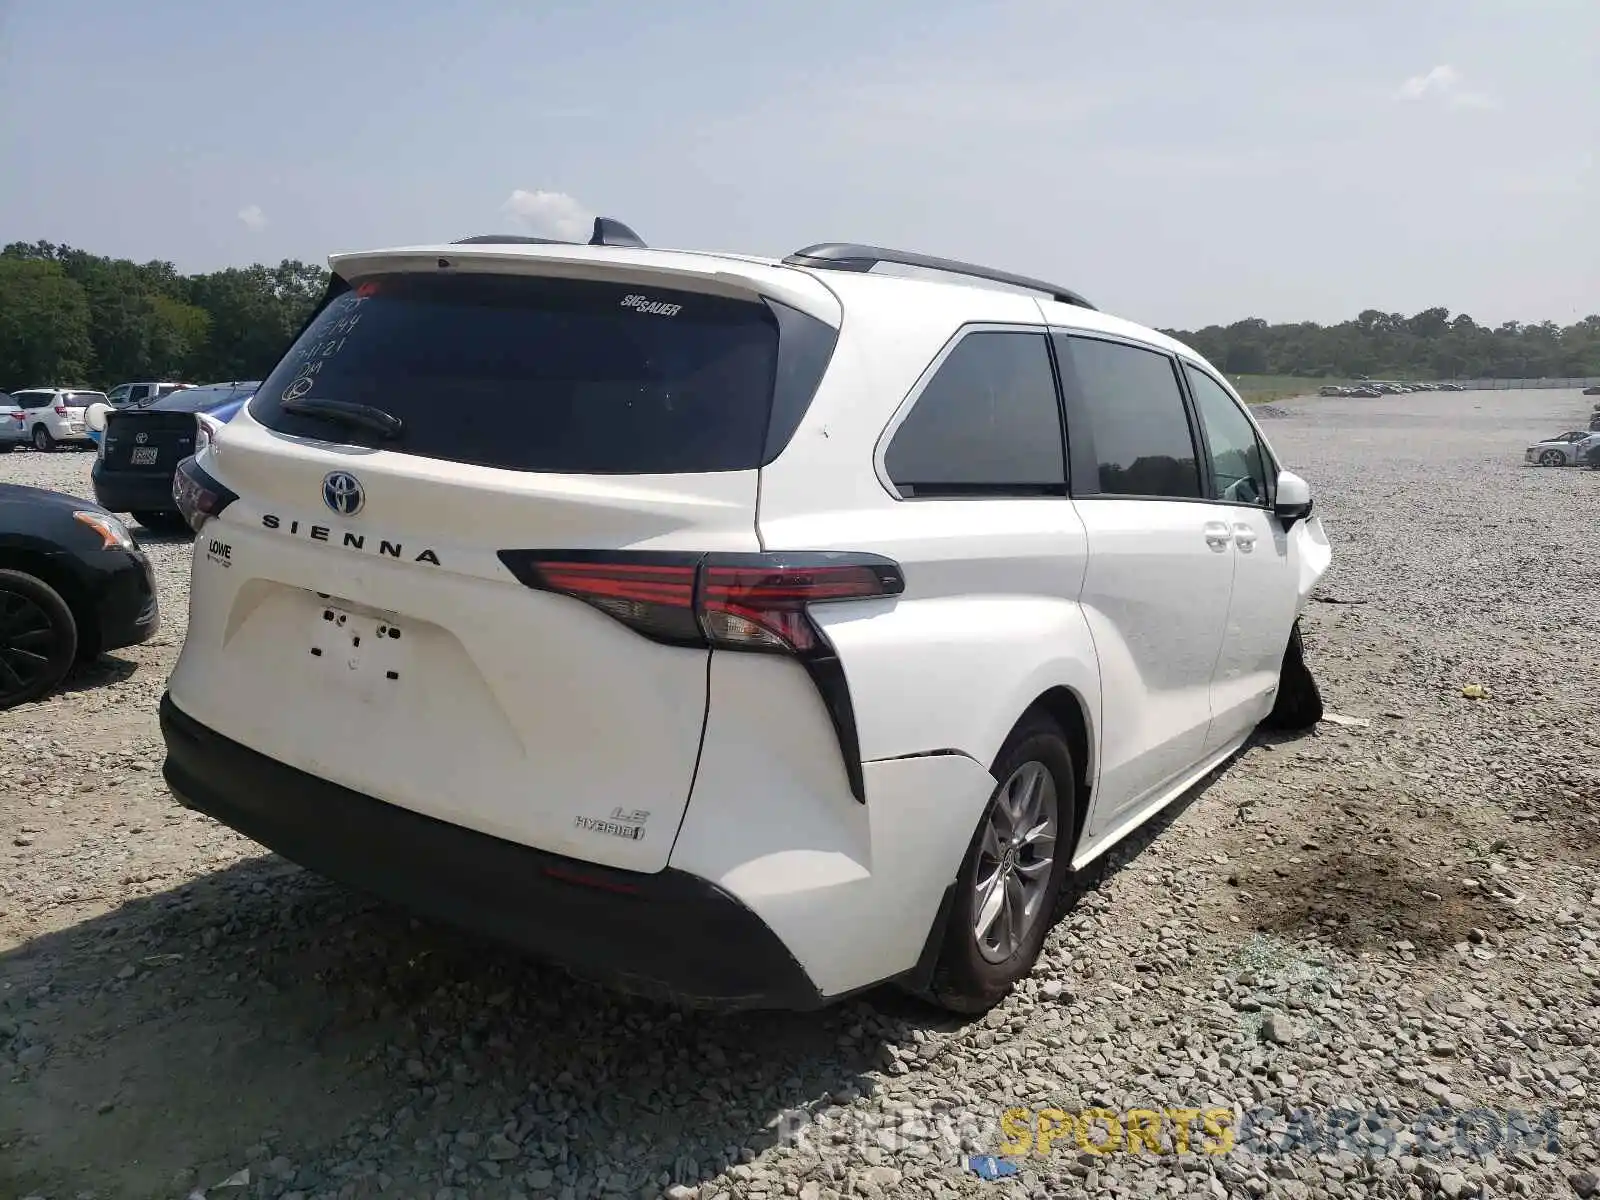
(17, 493)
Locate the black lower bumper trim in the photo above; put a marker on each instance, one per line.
(132, 491)
(671, 935)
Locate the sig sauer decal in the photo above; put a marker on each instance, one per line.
(644, 304)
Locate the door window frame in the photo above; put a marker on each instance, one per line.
(1083, 462)
(1208, 465)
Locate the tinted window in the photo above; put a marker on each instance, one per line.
(82, 399)
(33, 399)
(1136, 423)
(198, 399)
(1238, 467)
(540, 375)
(987, 423)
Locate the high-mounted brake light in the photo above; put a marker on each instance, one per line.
(750, 602)
(199, 497)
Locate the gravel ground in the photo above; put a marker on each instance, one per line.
(1377, 947)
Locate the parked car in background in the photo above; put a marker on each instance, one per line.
(856, 669)
(136, 393)
(13, 424)
(1564, 450)
(73, 584)
(53, 416)
(142, 444)
(1592, 391)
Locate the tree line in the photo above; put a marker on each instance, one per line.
(1432, 345)
(69, 318)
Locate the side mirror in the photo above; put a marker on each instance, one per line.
(1294, 497)
(95, 416)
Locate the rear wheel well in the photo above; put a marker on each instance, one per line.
(38, 565)
(1063, 706)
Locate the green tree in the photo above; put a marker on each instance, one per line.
(44, 325)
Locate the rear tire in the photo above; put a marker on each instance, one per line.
(38, 638)
(1299, 703)
(42, 440)
(975, 972)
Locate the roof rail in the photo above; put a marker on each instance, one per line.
(608, 231)
(848, 256)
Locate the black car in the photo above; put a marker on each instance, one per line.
(143, 444)
(73, 584)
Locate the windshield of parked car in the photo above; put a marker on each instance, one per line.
(201, 399)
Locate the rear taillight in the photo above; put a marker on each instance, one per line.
(61, 410)
(730, 601)
(198, 496)
(751, 602)
(205, 429)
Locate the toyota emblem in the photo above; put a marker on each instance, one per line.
(342, 492)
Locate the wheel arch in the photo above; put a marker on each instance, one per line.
(1067, 709)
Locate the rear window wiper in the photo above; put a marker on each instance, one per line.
(346, 412)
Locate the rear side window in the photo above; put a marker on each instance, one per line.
(553, 375)
(1128, 423)
(988, 423)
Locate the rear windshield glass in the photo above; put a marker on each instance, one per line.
(197, 399)
(539, 375)
(82, 399)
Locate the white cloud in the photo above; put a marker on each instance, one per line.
(1444, 83)
(550, 214)
(254, 219)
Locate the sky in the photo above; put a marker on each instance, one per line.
(1179, 163)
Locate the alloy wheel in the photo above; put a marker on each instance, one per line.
(1016, 857)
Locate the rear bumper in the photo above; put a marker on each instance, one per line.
(669, 934)
(132, 491)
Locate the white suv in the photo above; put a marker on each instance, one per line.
(53, 416)
(744, 631)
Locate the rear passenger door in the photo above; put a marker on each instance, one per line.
(1240, 482)
(1160, 566)
(992, 550)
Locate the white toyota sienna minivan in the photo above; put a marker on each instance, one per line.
(742, 631)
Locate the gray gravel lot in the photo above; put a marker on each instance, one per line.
(1348, 940)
